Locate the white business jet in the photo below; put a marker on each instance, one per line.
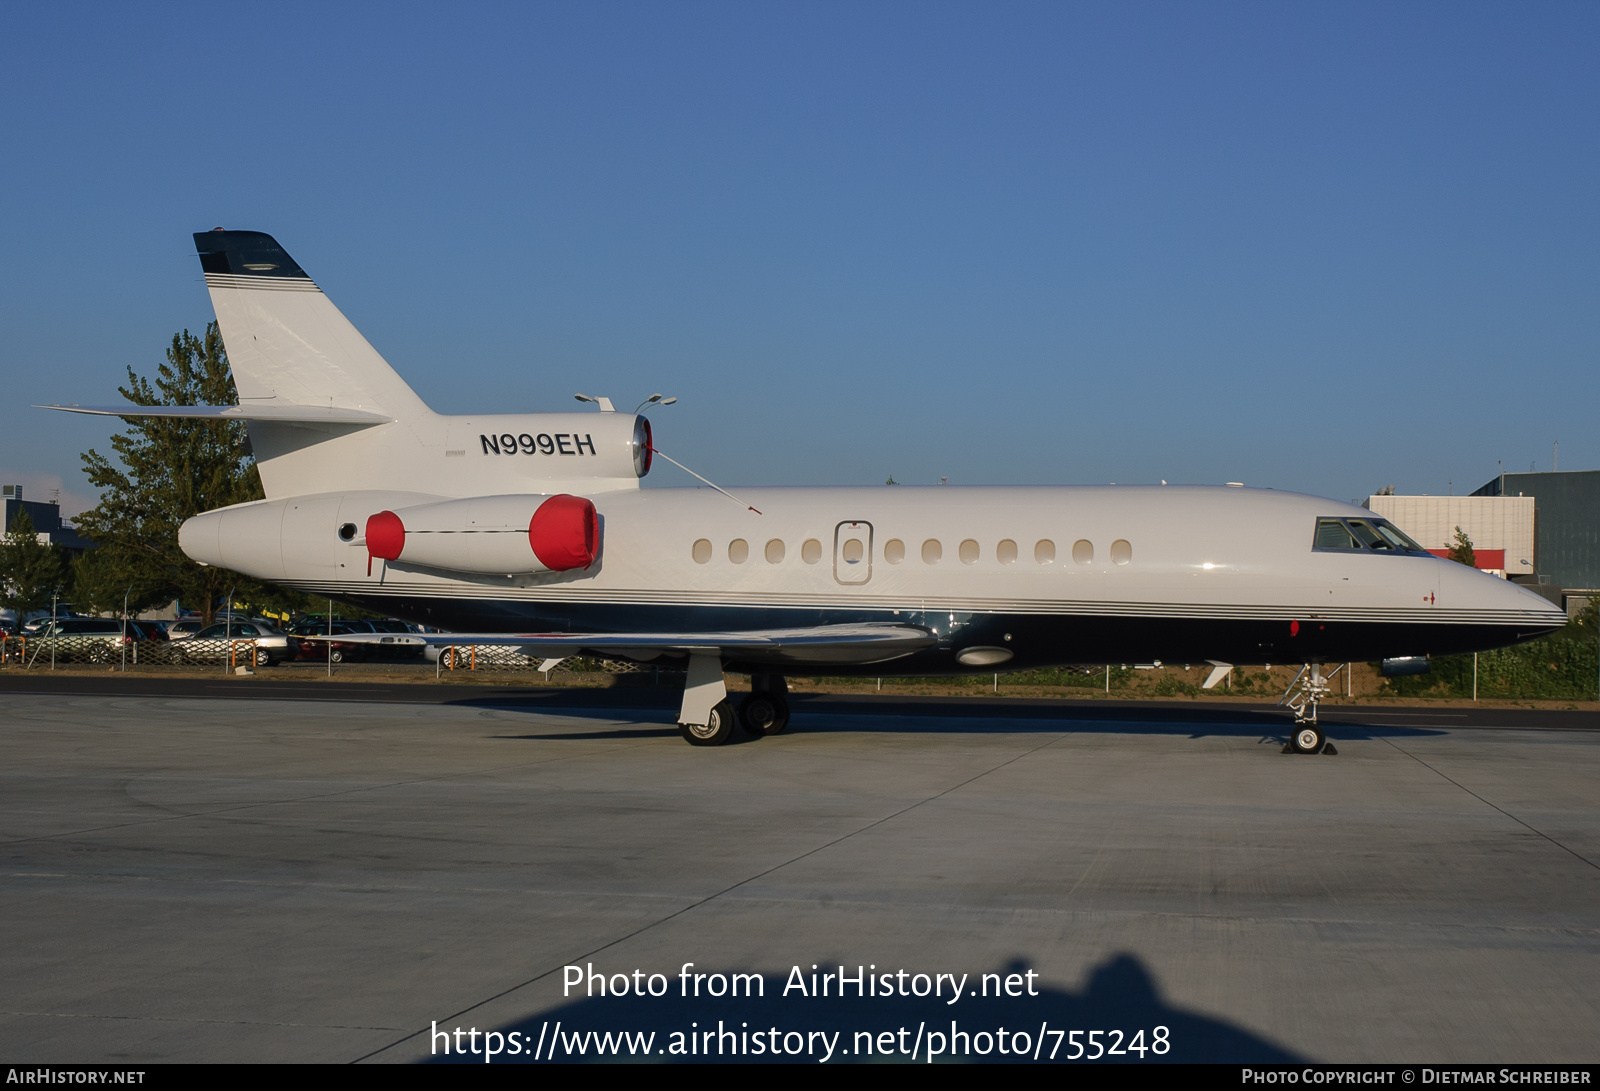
(531, 530)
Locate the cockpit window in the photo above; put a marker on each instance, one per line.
(1361, 535)
(1397, 536)
(1332, 534)
(1369, 537)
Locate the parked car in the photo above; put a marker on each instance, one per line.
(338, 651)
(184, 628)
(147, 631)
(98, 640)
(213, 644)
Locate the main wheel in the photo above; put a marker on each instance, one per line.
(336, 655)
(717, 729)
(1307, 739)
(764, 714)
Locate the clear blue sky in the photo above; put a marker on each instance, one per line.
(1316, 247)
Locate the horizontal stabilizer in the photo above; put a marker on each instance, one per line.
(277, 411)
(823, 644)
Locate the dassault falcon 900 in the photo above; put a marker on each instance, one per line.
(532, 530)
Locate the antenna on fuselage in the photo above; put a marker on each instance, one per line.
(708, 481)
(658, 399)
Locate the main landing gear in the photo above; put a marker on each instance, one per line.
(706, 717)
(765, 711)
(1308, 687)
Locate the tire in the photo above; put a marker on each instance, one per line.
(335, 655)
(764, 714)
(717, 731)
(1307, 739)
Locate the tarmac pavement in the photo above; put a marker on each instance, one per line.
(238, 875)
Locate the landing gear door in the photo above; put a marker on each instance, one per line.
(852, 553)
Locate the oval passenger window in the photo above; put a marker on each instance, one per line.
(774, 551)
(1006, 552)
(1044, 551)
(702, 551)
(894, 551)
(1121, 551)
(811, 551)
(968, 552)
(1083, 551)
(852, 551)
(932, 551)
(738, 551)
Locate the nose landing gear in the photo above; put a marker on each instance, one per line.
(1308, 687)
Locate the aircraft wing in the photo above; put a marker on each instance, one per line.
(821, 644)
(277, 411)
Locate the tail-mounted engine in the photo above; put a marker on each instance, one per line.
(490, 535)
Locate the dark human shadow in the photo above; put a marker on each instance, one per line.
(1120, 1001)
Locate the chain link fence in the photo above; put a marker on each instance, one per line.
(112, 651)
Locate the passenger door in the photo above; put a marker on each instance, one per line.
(852, 553)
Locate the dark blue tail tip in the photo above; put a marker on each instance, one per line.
(245, 253)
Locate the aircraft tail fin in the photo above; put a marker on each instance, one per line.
(287, 342)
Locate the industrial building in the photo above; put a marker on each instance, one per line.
(1501, 527)
(1566, 530)
(1539, 529)
(46, 517)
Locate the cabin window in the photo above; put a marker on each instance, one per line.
(774, 551)
(738, 551)
(968, 552)
(1083, 551)
(1044, 551)
(702, 551)
(932, 551)
(1121, 551)
(811, 551)
(894, 551)
(1006, 552)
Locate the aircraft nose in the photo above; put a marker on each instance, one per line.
(1464, 588)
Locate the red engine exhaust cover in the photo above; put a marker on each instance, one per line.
(564, 533)
(386, 536)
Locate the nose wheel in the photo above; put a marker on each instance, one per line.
(1308, 739)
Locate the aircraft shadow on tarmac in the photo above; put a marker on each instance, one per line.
(1120, 995)
(820, 714)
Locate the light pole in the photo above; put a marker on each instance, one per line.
(227, 629)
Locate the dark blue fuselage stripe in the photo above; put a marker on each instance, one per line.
(1034, 640)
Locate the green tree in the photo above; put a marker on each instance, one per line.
(167, 470)
(30, 571)
(1461, 550)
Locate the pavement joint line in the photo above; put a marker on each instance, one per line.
(718, 894)
(1496, 806)
(176, 1019)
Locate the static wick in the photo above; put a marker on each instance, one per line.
(713, 484)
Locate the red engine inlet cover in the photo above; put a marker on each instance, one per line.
(564, 533)
(386, 536)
